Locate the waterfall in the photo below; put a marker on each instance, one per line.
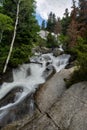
(29, 76)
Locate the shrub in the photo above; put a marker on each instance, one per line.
(81, 52)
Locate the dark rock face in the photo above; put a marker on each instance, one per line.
(28, 72)
(49, 72)
(10, 97)
(72, 58)
(7, 77)
(18, 111)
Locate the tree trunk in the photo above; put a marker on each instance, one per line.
(13, 38)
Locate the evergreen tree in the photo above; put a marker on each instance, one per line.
(51, 41)
(51, 22)
(43, 25)
(82, 19)
(27, 26)
(73, 27)
(26, 32)
(65, 22)
(5, 25)
(57, 27)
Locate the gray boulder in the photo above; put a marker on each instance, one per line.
(49, 93)
(70, 113)
(42, 50)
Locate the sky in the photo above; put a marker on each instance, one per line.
(44, 7)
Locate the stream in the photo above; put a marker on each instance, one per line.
(26, 79)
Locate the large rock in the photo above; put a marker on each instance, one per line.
(70, 113)
(57, 52)
(41, 123)
(49, 93)
(42, 50)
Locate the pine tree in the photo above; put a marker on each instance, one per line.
(57, 27)
(82, 19)
(43, 25)
(73, 27)
(51, 22)
(65, 22)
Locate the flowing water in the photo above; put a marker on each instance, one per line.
(28, 76)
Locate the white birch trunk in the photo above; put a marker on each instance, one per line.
(13, 38)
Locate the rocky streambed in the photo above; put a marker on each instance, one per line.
(36, 98)
(17, 97)
(56, 107)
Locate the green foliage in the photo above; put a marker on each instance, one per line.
(3, 55)
(65, 23)
(51, 22)
(63, 39)
(51, 41)
(27, 29)
(5, 22)
(41, 42)
(81, 52)
(20, 55)
(43, 25)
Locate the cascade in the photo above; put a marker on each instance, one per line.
(27, 77)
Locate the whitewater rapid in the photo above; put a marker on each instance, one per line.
(29, 76)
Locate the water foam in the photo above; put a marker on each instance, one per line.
(29, 76)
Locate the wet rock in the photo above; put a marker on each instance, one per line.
(28, 72)
(70, 65)
(10, 97)
(46, 57)
(72, 58)
(23, 124)
(7, 77)
(18, 111)
(57, 52)
(45, 50)
(49, 72)
(42, 50)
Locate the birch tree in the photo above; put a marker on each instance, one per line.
(13, 38)
(24, 35)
